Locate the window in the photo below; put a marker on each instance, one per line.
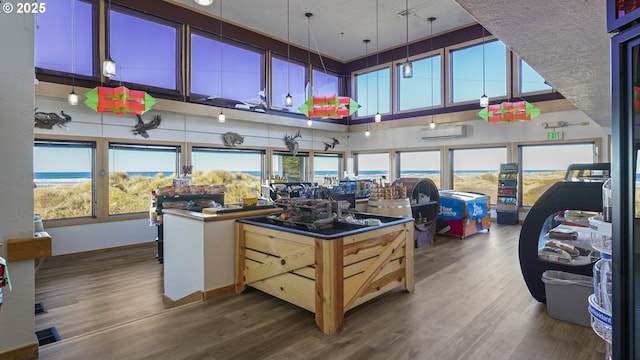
(289, 167)
(136, 170)
(420, 164)
(325, 84)
(239, 170)
(529, 79)
(63, 177)
(53, 42)
(326, 166)
(287, 77)
(544, 165)
(145, 51)
(416, 92)
(466, 72)
(243, 75)
(477, 169)
(373, 92)
(372, 166)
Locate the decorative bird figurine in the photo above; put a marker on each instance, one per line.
(141, 128)
(332, 145)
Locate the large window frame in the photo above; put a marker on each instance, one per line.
(256, 99)
(420, 75)
(485, 182)
(317, 158)
(362, 161)
(374, 84)
(63, 43)
(116, 180)
(292, 80)
(545, 178)
(406, 164)
(524, 73)
(58, 183)
(488, 71)
(128, 46)
(282, 163)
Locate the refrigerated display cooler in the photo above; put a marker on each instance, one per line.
(555, 234)
(466, 213)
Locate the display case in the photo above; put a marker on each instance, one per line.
(466, 213)
(193, 202)
(424, 199)
(507, 202)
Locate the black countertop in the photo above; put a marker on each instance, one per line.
(338, 230)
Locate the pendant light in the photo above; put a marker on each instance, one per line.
(108, 65)
(432, 125)
(366, 59)
(221, 117)
(288, 100)
(484, 100)
(204, 2)
(308, 92)
(407, 67)
(377, 117)
(72, 98)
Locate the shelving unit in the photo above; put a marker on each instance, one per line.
(425, 213)
(507, 202)
(601, 323)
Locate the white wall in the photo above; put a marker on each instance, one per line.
(16, 164)
(482, 132)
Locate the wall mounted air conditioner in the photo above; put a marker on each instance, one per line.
(456, 131)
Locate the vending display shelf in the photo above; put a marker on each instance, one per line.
(600, 320)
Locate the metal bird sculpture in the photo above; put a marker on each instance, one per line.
(141, 128)
(45, 120)
(332, 145)
(292, 144)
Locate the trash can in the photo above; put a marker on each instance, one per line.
(568, 296)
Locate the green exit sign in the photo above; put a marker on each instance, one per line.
(554, 135)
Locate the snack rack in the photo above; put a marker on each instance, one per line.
(600, 302)
(507, 202)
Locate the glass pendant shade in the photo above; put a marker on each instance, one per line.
(377, 117)
(221, 117)
(309, 122)
(109, 68)
(407, 70)
(288, 100)
(432, 125)
(367, 133)
(204, 2)
(484, 101)
(72, 97)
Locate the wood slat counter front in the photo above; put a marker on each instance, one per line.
(199, 253)
(325, 274)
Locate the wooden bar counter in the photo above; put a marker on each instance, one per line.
(329, 271)
(199, 253)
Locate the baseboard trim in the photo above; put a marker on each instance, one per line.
(21, 353)
(210, 294)
(170, 303)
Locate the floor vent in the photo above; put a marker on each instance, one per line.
(40, 309)
(47, 336)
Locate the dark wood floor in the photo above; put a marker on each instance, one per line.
(470, 302)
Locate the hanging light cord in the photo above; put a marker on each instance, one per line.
(73, 46)
(288, 53)
(308, 15)
(406, 15)
(483, 67)
(432, 56)
(377, 62)
(221, 56)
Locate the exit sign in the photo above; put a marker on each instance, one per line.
(554, 135)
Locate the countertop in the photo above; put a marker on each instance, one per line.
(236, 214)
(337, 231)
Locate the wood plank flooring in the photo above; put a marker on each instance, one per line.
(470, 302)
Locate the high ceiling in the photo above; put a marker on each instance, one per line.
(564, 41)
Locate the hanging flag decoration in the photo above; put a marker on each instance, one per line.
(119, 100)
(509, 112)
(329, 107)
